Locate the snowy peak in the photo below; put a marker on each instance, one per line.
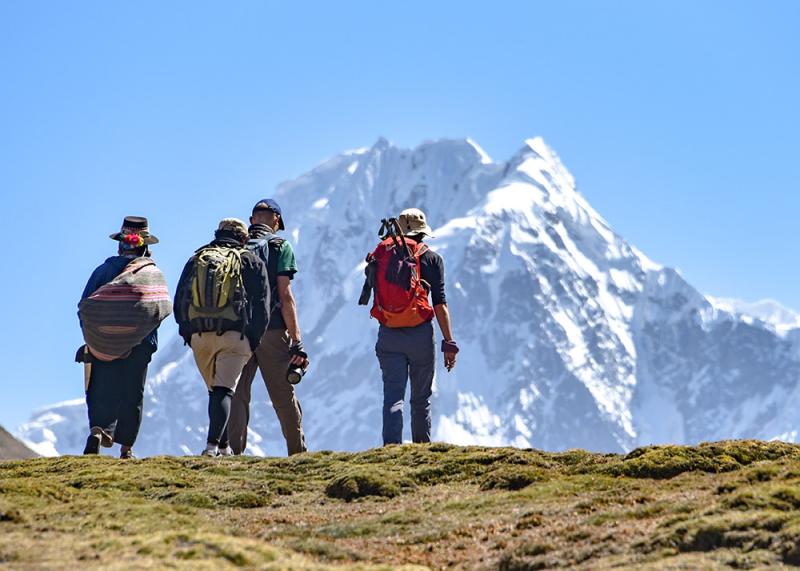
(381, 145)
(485, 158)
(767, 311)
(531, 148)
(445, 178)
(367, 185)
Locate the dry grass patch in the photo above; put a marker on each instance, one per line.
(715, 505)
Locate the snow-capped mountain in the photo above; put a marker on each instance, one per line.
(767, 311)
(570, 336)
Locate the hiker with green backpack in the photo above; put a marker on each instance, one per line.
(222, 309)
(121, 308)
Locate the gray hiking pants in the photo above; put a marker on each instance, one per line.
(407, 352)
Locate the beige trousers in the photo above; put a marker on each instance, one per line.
(272, 357)
(220, 358)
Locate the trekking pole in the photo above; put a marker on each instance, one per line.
(402, 237)
(384, 230)
(391, 225)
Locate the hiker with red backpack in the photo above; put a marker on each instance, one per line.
(401, 272)
(222, 309)
(122, 305)
(280, 356)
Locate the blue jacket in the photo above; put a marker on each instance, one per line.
(106, 272)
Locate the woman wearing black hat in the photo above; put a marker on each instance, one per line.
(116, 372)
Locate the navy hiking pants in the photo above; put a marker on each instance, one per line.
(403, 353)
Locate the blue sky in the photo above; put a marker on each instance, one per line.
(679, 120)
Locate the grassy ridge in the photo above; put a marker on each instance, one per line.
(717, 505)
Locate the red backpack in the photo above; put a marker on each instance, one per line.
(400, 298)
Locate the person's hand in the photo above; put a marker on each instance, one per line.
(299, 361)
(450, 349)
(298, 356)
(449, 361)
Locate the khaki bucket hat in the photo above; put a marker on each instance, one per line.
(234, 225)
(412, 222)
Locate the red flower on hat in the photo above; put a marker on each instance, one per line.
(133, 240)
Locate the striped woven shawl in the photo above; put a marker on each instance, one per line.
(120, 314)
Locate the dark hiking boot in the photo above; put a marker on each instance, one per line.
(126, 453)
(92, 445)
(105, 438)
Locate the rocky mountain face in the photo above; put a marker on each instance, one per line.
(13, 449)
(570, 336)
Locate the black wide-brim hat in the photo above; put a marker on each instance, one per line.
(135, 225)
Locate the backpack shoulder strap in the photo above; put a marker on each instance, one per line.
(274, 245)
(255, 243)
(237, 254)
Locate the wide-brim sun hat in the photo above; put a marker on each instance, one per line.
(135, 226)
(412, 222)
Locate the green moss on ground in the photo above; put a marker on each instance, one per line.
(511, 478)
(361, 482)
(717, 505)
(712, 457)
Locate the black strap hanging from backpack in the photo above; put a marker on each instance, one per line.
(390, 227)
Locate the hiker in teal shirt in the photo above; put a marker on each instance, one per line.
(281, 347)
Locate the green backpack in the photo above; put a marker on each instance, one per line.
(217, 290)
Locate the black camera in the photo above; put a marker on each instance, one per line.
(295, 374)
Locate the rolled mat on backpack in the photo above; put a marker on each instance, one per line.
(119, 315)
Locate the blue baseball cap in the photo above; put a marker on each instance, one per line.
(269, 204)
